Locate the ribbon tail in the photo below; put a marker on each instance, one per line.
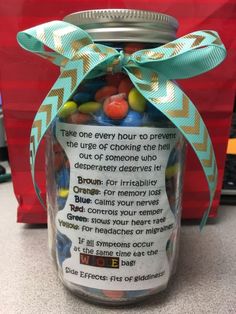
(73, 74)
(170, 100)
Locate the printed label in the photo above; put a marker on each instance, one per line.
(117, 216)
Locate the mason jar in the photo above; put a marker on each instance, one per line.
(114, 173)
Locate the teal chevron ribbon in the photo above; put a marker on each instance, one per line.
(150, 70)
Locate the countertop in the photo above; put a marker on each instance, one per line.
(205, 281)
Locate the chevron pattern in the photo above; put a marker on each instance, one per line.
(85, 58)
(177, 47)
(47, 110)
(202, 146)
(183, 112)
(72, 74)
(217, 40)
(197, 39)
(169, 95)
(195, 128)
(152, 86)
(59, 93)
(153, 55)
(79, 43)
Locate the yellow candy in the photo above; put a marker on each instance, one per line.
(90, 107)
(63, 193)
(172, 171)
(136, 101)
(68, 108)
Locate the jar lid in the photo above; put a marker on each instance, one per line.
(125, 25)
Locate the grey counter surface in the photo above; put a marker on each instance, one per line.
(205, 281)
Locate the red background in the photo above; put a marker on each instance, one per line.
(25, 79)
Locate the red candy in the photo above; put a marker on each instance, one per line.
(133, 47)
(105, 92)
(59, 156)
(113, 294)
(114, 79)
(78, 118)
(116, 108)
(125, 86)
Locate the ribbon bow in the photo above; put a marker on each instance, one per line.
(150, 70)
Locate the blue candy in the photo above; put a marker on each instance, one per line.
(82, 97)
(63, 247)
(63, 178)
(61, 202)
(154, 114)
(137, 293)
(54, 123)
(133, 118)
(174, 157)
(91, 86)
(102, 119)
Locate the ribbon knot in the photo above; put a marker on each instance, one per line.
(119, 62)
(152, 72)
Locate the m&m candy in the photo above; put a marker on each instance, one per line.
(68, 108)
(116, 109)
(136, 101)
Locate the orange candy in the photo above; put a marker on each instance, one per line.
(125, 86)
(105, 92)
(116, 109)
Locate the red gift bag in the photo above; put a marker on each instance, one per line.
(25, 79)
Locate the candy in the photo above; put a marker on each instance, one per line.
(137, 293)
(133, 118)
(118, 103)
(116, 109)
(113, 294)
(105, 92)
(102, 119)
(61, 202)
(114, 97)
(59, 156)
(78, 118)
(63, 193)
(91, 86)
(63, 247)
(114, 79)
(136, 101)
(133, 47)
(172, 170)
(68, 108)
(154, 113)
(63, 177)
(90, 107)
(125, 86)
(82, 97)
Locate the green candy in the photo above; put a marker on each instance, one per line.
(136, 101)
(90, 107)
(68, 108)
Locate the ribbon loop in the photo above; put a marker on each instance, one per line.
(150, 70)
(185, 57)
(64, 39)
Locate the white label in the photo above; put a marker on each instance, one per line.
(117, 214)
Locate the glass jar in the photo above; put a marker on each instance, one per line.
(114, 174)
